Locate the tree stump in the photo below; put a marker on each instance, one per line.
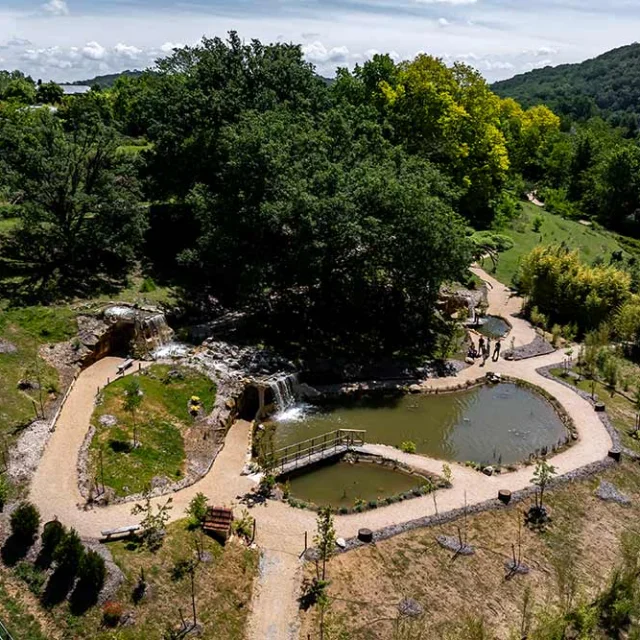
(616, 454)
(365, 535)
(504, 495)
(599, 406)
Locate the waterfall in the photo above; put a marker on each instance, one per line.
(155, 331)
(283, 388)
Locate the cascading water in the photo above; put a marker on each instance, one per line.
(288, 408)
(155, 331)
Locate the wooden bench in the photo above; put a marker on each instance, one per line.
(108, 534)
(218, 522)
(127, 364)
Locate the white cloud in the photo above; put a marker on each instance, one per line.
(168, 47)
(443, 22)
(316, 52)
(94, 51)
(545, 51)
(127, 51)
(56, 7)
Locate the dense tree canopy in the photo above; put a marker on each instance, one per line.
(78, 206)
(331, 213)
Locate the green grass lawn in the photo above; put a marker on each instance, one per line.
(18, 621)
(620, 410)
(161, 421)
(27, 329)
(590, 241)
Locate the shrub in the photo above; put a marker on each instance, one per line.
(408, 446)
(93, 572)
(197, 509)
(33, 577)
(556, 332)
(25, 521)
(111, 613)
(148, 285)
(537, 318)
(69, 553)
(343, 511)
(244, 526)
(537, 224)
(52, 534)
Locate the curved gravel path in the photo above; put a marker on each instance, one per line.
(280, 528)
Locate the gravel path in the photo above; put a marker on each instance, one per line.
(280, 528)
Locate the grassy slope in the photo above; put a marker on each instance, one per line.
(590, 241)
(27, 329)
(161, 420)
(573, 558)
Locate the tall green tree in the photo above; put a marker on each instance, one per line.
(80, 220)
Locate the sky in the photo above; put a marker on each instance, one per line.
(67, 40)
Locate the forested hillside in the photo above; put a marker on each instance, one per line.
(608, 86)
(107, 81)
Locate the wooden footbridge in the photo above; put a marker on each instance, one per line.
(308, 452)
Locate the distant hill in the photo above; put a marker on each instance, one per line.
(107, 81)
(608, 85)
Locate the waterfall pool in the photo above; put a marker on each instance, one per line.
(493, 327)
(489, 424)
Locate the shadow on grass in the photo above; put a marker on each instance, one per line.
(120, 446)
(15, 549)
(57, 588)
(84, 597)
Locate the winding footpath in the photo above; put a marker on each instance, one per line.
(280, 528)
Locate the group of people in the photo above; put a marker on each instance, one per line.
(484, 350)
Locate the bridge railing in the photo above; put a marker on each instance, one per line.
(307, 451)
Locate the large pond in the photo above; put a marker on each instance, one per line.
(502, 424)
(342, 484)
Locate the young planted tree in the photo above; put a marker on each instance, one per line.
(197, 509)
(325, 538)
(132, 402)
(542, 475)
(154, 521)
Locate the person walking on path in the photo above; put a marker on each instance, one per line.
(481, 345)
(496, 351)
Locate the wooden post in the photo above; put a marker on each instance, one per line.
(253, 535)
(102, 471)
(35, 408)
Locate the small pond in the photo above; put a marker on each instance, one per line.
(342, 483)
(493, 327)
(502, 423)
